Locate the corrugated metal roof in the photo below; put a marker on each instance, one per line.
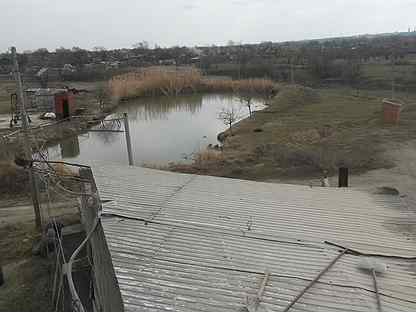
(197, 243)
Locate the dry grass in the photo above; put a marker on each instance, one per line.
(27, 278)
(208, 155)
(292, 96)
(12, 178)
(162, 82)
(155, 82)
(258, 87)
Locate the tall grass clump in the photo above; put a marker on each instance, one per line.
(155, 82)
(252, 86)
(167, 82)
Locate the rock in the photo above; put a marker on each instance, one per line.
(387, 190)
(222, 136)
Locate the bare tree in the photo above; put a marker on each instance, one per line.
(246, 99)
(229, 115)
(101, 95)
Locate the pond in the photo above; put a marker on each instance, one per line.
(163, 130)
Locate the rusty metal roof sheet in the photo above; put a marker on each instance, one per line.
(195, 243)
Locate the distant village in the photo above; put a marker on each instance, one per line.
(310, 59)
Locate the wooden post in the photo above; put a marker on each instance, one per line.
(343, 177)
(1, 276)
(128, 139)
(26, 145)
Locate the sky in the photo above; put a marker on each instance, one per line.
(32, 24)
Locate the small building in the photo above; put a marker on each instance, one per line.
(59, 101)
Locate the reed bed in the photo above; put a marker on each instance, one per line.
(163, 82)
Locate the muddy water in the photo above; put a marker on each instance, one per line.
(162, 129)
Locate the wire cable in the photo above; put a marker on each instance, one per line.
(75, 297)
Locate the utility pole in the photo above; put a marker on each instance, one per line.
(26, 143)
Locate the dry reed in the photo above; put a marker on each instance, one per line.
(163, 82)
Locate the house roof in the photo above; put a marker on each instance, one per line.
(198, 243)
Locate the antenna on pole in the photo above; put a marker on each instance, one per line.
(26, 145)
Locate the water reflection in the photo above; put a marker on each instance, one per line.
(70, 148)
(159, 108)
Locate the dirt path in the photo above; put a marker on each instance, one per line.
(401, 177)
(12, 212)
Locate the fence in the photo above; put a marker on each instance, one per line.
(61, 181)
(60, 192)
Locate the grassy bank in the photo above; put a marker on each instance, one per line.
(162, 82)
(306, 131)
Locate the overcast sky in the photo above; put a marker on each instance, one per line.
(31, 24)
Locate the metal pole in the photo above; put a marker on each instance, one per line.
(26, 145)
(373, 273)
(128, 140)
(330, 265)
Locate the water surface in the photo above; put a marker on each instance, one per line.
(163, 130)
